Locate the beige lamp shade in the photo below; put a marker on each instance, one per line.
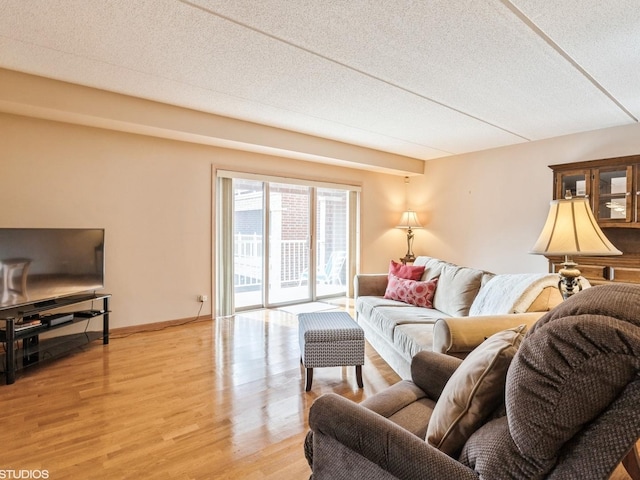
(409, 220)
(571, 229)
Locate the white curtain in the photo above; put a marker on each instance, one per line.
(224, 252)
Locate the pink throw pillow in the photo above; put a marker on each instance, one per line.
(411, 272)
(413, 292)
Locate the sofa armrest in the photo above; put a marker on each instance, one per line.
(365, 284)
(458, 336)
(377, 439)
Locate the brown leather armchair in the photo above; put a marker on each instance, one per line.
(570, 407)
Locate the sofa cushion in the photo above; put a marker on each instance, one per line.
(473, 392)
(457, 288)
(411, 338)
(432, 267)
(411, 272)
(386, 319)
(366, 305)
(405, 404)
(413, 292)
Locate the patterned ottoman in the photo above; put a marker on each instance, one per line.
(330, 339)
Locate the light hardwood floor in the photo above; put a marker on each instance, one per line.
(214, 399)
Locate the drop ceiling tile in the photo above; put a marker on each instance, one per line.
(476, 57)
(235, 71)
(602, 37)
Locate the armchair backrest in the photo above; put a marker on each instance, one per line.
(572, 393)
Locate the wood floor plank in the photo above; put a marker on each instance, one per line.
(213, 399)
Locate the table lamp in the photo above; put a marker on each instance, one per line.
(572, 230)
(409, 220)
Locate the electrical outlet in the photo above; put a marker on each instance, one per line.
(203, 298)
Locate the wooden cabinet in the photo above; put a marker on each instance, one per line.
(612, 186)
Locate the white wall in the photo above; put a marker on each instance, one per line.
(154, 198)
(486, 209)
(154, 206)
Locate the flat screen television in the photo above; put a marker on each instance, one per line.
(42, 264)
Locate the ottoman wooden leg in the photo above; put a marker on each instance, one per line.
(359, 375)
(309, 379)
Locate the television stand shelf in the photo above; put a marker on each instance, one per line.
(23, 345)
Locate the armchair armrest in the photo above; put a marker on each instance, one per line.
(365, 284)
(458, 336)
(379, 440)
(431, 371)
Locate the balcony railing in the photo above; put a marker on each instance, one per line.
(248, 261)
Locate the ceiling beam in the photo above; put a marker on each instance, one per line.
(39, 97)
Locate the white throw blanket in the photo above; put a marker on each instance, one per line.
(511, 293)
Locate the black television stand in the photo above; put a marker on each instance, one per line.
(23, 326)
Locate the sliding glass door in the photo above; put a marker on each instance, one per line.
(287, 242)
(248, 242)
(289, 233)
(331, 242)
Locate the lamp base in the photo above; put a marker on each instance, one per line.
(569, 283)
(408, 258)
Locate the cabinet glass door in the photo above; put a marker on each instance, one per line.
(613, 204)
(575, 183)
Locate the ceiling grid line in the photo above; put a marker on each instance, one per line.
(538, 31)
(353, 69)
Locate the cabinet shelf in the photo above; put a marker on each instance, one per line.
(612, 195)
(52, 348)
(44, 327)
(24, 347)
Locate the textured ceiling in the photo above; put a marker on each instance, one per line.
(423, 79)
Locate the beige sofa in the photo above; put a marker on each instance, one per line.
(468, 306)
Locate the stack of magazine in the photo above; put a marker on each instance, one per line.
(23, 324)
